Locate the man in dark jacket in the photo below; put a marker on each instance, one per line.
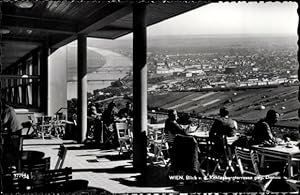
(223, 125)
(172, 128)
(109, 128)
(262, 132)
(126, 112)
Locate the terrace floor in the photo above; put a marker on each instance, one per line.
(104, 169)
(110, 173)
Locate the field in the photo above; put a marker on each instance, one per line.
(244, 105)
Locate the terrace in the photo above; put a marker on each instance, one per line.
(31, 79)
(109, 172)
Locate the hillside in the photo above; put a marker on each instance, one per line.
(244, 105)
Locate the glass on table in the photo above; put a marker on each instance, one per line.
(206, 133)
(205, 130)
(280, 141)
(192, 128)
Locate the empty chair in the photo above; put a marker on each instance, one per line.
(294, 184)
(28, 125)
(44, 126)
(39, 165)
(248, 162)
(124, 136)
(12, 151)
(208, 154)
(218, 157)
(158, 141)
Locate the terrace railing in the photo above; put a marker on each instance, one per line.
(204, 123)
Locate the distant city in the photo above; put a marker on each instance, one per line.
(195, 62)
(221, 62)
(199, 74)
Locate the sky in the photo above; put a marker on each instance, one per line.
(232, 18)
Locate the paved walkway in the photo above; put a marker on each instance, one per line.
(104, 169)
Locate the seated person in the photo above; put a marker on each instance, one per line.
(99, 107)
(93, 112)
(126, 112)
(184, 119)
(109, 130)
(262, 132)
(172, 128)
(223, 125)
(13, 127)
(94, 120)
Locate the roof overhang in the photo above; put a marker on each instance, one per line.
(57, 23)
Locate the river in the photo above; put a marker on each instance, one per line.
(116, 66)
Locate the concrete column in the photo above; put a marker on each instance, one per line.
(44, 90)
(82, 86)
(15, 83)
(58, 81)
(139, 87)
(35, 63)
(24, 81)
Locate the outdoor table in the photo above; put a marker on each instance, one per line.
(282, 152)
(157, 128)
(205, 134)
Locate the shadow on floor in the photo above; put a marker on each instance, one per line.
(81, 147)
(210, 187)
(115, 170)
(95, 191)
(115, 157)
(92, 161)
(155, 176)
(47, 142)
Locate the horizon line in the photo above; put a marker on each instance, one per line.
(221, 35)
